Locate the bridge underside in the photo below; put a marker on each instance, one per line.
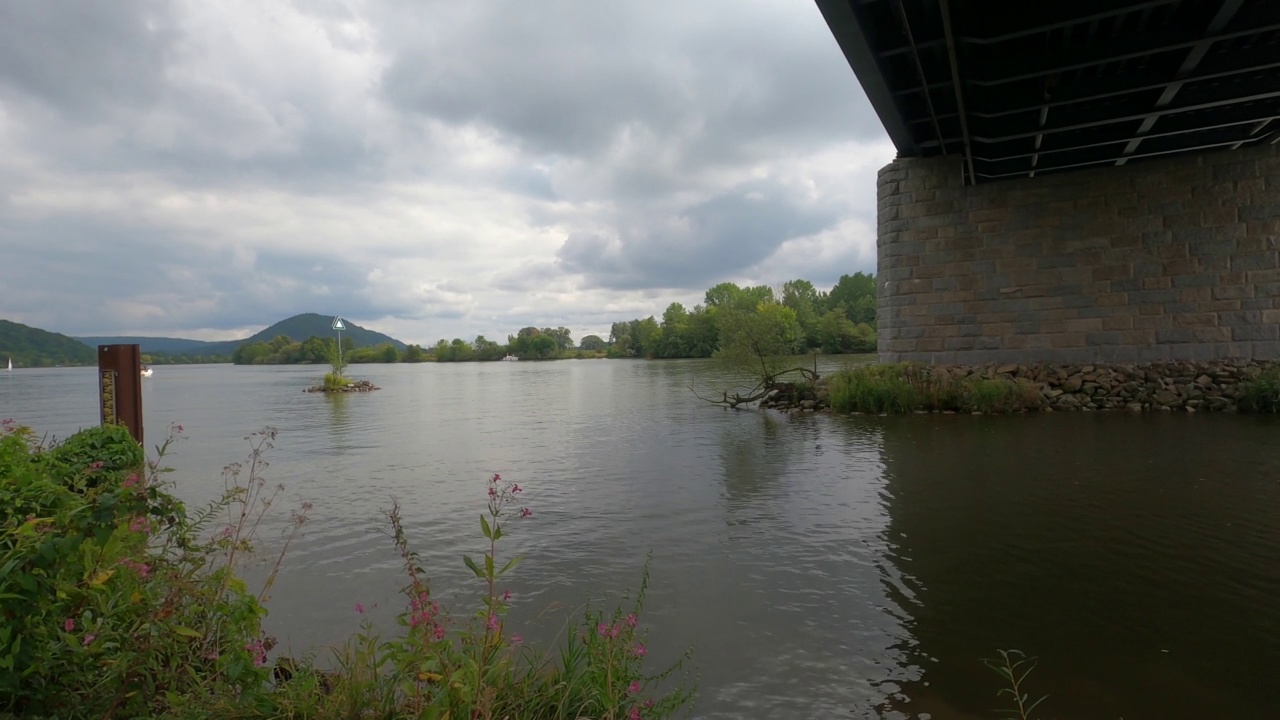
(1086, 181)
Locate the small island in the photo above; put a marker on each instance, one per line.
(335, 382)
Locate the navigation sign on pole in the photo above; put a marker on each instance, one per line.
(339, 326)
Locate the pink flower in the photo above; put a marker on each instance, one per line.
(506, 595)
(640, 651)
(514, 488)
(525, 512)
(359, 608)
(493, 622)
(648, 703)
(69, 625)
(632, 620)
(635, 714)
(96, 465)
(634, 687)
(438, 633)
(615, 631)
(259, 652)
(517, 639)
(139, 524)
(88, 639)
(132, 481)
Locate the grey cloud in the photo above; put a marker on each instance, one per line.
(85, 57)
(704, 242)
(531, 181)
(569, 77)
(628, 127)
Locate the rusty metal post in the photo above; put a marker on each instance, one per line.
(120, 387)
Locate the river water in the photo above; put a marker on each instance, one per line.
(820, 566)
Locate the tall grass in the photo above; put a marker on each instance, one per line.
(1262, 393)
(895, 388)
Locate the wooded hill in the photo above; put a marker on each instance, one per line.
(297, 328)
(33, 347)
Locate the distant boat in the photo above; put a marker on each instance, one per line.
(510, 358)
(146, 371)
(10, 363)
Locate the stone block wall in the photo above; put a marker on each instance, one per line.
(1176, 259)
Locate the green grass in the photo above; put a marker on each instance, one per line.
(897, 388)
(334, 381)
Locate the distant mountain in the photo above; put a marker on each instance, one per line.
(297, 328)
(30, 347)
(169, 346)
(301, 327)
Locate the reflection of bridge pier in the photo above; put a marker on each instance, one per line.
(1076, 182)
(1140, 571)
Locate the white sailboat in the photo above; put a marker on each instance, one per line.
(146, 371)
(10, 364)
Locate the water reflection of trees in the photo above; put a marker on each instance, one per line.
(754, 455)
(1095, 543)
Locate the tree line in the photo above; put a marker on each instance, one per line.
(799, 318)
(805, 318)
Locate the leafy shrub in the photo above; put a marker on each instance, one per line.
(1262, 393)
(334, 381)
(105, 590)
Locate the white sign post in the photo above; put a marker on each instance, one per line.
(339, 326)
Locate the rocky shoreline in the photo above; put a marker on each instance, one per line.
(1211, 386)
(353, 386)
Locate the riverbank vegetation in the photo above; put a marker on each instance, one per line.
(118, 601)
(907, 387)
(1262, 392)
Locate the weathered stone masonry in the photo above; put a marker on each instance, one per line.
(1175, 259)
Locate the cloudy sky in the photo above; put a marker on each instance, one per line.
(429, 169)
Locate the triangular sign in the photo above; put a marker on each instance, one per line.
(338, 324)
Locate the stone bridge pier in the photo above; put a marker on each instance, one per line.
(1175, 259)
(1076, 182)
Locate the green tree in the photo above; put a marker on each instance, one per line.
(564, 341)
(675, 331)
(646, 335)
(855, 293)
(802, 297)
(835, 332)
(758, 341)
(592, 343)
(487, 349)
(414, 354)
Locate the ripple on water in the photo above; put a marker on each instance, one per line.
(821, 566)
